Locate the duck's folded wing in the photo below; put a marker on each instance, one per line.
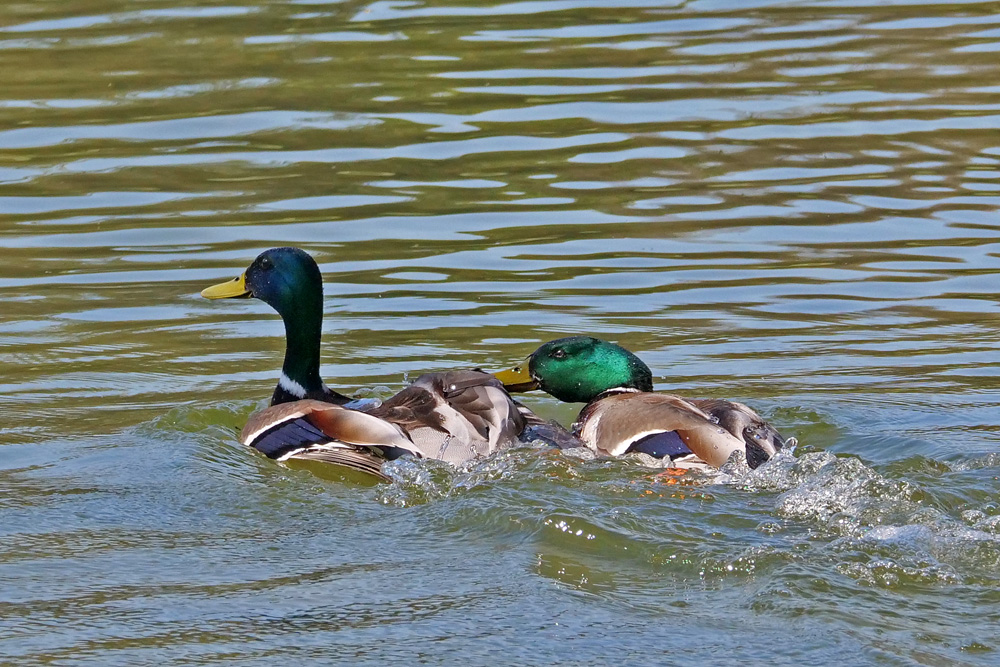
(304, 429)
(614, 423)
(762, 440)
(455, 415)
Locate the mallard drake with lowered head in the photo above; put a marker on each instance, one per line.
(453, 416)
(624, 415)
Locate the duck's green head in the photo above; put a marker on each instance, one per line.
(579, 368)
(287, 279)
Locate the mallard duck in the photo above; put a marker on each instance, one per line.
(623, 415)
(453, 416)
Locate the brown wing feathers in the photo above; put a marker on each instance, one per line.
(762, 440)
(357, 459)
(452, 416)
(456, 415)
(613, 423)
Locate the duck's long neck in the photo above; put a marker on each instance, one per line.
(300, 371)
(301, 365)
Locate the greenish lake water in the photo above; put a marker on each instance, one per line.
(790, 204)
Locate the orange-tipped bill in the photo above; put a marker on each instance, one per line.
(517, 379)
(230, 289)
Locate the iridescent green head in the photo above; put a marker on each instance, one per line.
(578, 369)
(288, 280)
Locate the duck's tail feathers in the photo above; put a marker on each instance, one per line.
(356, 459)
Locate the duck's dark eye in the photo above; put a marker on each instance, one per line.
(265, 263)
(558, 353)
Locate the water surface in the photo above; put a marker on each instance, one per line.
(789, 204)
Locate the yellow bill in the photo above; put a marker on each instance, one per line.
(517, 379)
(231, 288)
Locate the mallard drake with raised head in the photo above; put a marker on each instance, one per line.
(453, 416)
(624, 415)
